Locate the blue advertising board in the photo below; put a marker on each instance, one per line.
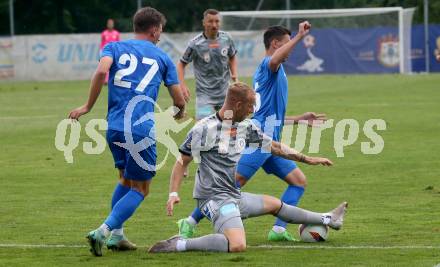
(367, 50)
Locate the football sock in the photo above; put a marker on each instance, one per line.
(197, 215)
(123, 209)
(292, 214)
(104, 229)
(291, 196)
(181, 245)
(278, 229)
(119, 232)
(213, 242)
(191, 220)
(119, 192)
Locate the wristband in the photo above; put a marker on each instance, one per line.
(173, 194)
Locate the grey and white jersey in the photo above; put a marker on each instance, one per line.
(211, 66)
(217, 146)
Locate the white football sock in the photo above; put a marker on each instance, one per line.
(278, 229)
(191, 220)
(326, 218)
(181, 245)
(118, 231)
(292, 214)
(104, 230)
(213, 242)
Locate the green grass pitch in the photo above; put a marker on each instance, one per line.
(394, 197)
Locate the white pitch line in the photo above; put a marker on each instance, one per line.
(346, 247)
(40, 246)
(258, 247)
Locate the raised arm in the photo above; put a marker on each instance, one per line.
(178, 100)
(176, 180)
(281, 54)
(286, 152)
(96, 84)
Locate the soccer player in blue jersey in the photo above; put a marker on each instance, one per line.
(270, 84)
(137, 68)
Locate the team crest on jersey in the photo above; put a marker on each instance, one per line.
(224, 51)
(388, 54)
(207, 57)
(241, 144)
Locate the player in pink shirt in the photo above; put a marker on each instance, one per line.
(109, 35)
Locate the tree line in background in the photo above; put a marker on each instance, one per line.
(85, 16)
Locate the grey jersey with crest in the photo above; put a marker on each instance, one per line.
(217, 145)
(211, 66)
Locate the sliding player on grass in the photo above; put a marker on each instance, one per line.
(270, 84)
(217, 143)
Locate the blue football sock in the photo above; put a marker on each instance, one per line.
(197, 215)
(123, 209)
(119, 192)
(291, 196)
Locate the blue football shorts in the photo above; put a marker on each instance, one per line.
(125, 161)
(250, 163)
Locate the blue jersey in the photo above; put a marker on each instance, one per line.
(138, 68)
(271, 96)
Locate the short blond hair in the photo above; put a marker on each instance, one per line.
(238, 91)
